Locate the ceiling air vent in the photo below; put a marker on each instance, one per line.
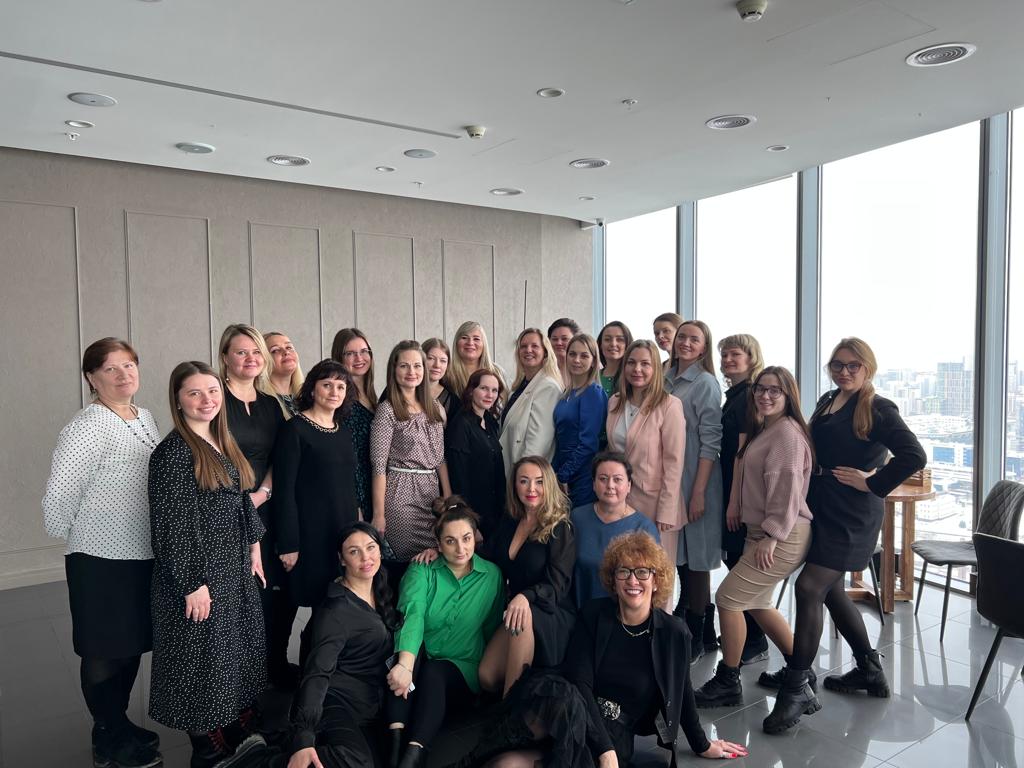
(937, 55)
(590, 162)
(292, 160)
(729, 122)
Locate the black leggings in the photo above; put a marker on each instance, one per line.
(440, 690)
(815, 587)
(694, 590)
(107, 687)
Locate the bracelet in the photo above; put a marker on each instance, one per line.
(400, 664)
(266, 491)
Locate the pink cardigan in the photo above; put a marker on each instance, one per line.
(774, 475)
(654, 446)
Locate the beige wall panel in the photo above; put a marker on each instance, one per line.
(337, 289)
(169, 298)
(567, 269)
(385, 293)
(430, 290)
(285, 267)
(40, 365)
(468, 285)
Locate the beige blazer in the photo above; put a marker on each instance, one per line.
(529, 428)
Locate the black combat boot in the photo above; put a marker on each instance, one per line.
(773, 680)
(722, 690)
(795, 698)
(866, 676)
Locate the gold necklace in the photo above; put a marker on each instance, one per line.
(636, 634)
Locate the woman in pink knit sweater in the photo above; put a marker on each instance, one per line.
(769, 492)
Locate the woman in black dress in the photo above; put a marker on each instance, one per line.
(254, 417)
(535, 548)
(315, 469)
(209, 661)
(476, 469)
(338, 706)
(853, 431)
(438, 356)
(353, 351)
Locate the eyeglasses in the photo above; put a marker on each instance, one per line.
(364, 352)
(642, 574)
(773, 392)
(837, 366)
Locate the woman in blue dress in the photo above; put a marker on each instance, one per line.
(579, 418)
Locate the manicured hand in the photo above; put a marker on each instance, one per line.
(764, 554)
(720, 748)
(425, 557)
(399, 679)
(305, 758)
(256, 559)
(198, 604)
(855, 478)
(516, 614)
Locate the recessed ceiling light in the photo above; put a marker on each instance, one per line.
(195, 147)
(506, 192)
(551, 93)
(385, 168)
(943, 53)
(420, 154)
(79, 124)
(729, 122)
(92, 99)
(777, 148)
(590, 162)
(291, 160)
(586, 198)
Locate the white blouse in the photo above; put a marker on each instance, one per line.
(97, 494)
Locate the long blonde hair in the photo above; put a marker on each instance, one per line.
(458, 373)
(656, 393)
(553, 509)
(297, 377)
(550, 365)
(262, 382)
(341, 340)
(594, 375)
(705, 359)
(862, 416)
(209, 470)
(394, 390)
(748, 344)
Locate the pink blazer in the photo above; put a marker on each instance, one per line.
(654, 446)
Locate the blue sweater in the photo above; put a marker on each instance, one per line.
(579, 418)
(592, 538)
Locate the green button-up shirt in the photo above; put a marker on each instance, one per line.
(453, 618)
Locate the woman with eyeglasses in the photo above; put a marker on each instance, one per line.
(853, 431)
(353, 351)
(773, 470)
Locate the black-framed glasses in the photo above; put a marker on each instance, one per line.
(837, 366)
(642, 574)
(772, 391)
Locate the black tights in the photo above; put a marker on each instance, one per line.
(818, 586)
(107, 687)
(694, 590)
(441, 690)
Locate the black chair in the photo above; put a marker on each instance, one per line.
(1000, 516)
(874, 582)
(1000, 598)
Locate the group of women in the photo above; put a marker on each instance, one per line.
(518, 518)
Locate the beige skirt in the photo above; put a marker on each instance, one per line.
(747, 587)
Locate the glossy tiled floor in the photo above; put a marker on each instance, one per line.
(44, 723)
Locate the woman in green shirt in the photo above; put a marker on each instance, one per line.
(451, 606)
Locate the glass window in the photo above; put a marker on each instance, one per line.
(1015, 341)
(640, 271)
(899, 253)
(746, 267)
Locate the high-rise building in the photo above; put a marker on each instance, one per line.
(953, 388)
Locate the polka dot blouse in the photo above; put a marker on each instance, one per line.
(96, 497)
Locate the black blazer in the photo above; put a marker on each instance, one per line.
(670, 649)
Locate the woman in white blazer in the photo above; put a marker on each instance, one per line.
(528, 424)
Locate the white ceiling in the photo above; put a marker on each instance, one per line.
(826, 77)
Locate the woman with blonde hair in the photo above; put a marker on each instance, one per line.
(527, 423)
(535, 548)
(692, 380)
(853, 431)
(470, 353)
(353, 351)
(579, 418)
(286, 375)
(647, 425)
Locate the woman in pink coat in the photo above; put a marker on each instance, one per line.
(646, 423)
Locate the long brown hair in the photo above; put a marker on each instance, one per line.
(656, 393)
(210, 471)
(594, 374)
(862, 416)
(553, 510)
(341, 340)
(790, 391)
(394, 390)
(705, 361)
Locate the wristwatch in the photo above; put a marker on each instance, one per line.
(266, 491)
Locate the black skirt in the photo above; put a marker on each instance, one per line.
(110, 616)
(846, 524)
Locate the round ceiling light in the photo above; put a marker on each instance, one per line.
(385, 168)
(288, 160)
(943, 53)
(551, 93)
(506, 192)
(590, 162)
(195, 147)
(420, 154)
(79, 124)
(729, 122)
(92, 99)
(777, 148)
(586, 198)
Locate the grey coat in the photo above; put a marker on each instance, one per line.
(700, 542)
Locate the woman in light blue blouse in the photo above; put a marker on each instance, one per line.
(692, 379)
(579, 418)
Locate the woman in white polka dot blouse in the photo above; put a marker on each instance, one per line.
(96, 501)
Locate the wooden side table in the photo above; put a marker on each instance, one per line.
(907, 496)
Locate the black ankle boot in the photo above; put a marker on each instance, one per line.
(695, 623)
(795, 698)
(415, 757)
(709, 637)
(143, 736)
(866, 676)
(773, 680)
(118, 748)
(395, 736)
(722, 690)
(213, 749)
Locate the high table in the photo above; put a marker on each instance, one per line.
(907, 496)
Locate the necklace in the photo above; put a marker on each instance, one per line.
(641, 633)
(321, 428)
(146, 438)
